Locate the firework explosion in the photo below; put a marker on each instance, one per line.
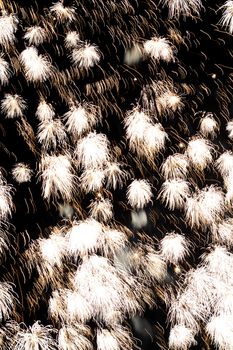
(116, 179)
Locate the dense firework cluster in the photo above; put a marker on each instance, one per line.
(116, 178)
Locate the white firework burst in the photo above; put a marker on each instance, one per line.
(229, 128)
(154, 140)
(57, 309)
(200, 153)
(206, 207)
(72, 39)
(145, 138)
(115, 176)
(136, 122)
(45, 111)
(51, 133)
(175, 167)
(78, 309)
(37, 68)
(5, 72)
(92, 180)
(228, 183)
(75, 336)
(86, 56)
(224, 164)
(22, 173)
(185, 310)
(181, 338)
(174, 193)
(106, 290)
(81, 118)
(174, 248)
(62, 13)
(209, 127)
(202, 288)
(227, 16)
(219, 263)
(8, 300)
(96, 280)
(220, 330)
(101, 209)
(35, 337)
(167, 98)
(35, 35)
(8, 27)
(224, 304)
(13, 106)
(53, 249)
(159, 49)
(113, 241)
(57, 177)
(169, 101)
(6, 203)
(185, 8)
(93, 151)
(106, 340)
(139, 193)
(115, 339)
(84, 237)
(223, 233)
(4, 243)
(154, 266)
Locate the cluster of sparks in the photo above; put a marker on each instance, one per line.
(92, 271)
